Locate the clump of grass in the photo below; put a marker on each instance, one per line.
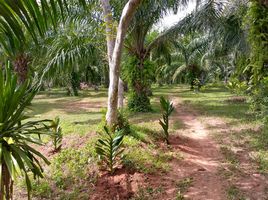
(73, 167)
(233, 193)
(261, 157)
(144, 158)
(41, 188)
(147, 193)
(179, 196)
(229, 155)
(184, 184)
(178, 125)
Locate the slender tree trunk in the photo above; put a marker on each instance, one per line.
(21, 67)
(120, 103)
(116, 52)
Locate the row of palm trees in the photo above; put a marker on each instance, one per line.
(59, 40)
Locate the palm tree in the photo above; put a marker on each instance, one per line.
(72, 53)
(139, 45)
(221, 38)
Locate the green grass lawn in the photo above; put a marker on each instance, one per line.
(75, 169)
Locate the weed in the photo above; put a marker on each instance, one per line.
(147, 159)
(41, 188)
(184, 184)
(179, 196)
(147, 193)
(229, 155)
(233, 193)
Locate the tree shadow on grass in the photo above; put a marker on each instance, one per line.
(87, 122)
(239, 111)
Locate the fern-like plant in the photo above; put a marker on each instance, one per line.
(57, 136)
(167, 109)
(109, 148)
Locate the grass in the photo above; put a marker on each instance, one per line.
(74, 170)
(147, 193)
(233, 193)
(146, 159)
(184, 184)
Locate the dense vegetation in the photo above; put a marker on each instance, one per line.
(59, 57)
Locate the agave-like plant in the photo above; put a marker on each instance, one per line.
(109, 148)
(17, 155)
(167, 108)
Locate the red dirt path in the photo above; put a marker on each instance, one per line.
(201, 161)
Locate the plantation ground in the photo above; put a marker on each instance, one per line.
(216, 152)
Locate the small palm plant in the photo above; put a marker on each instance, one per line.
(109, 148)
(167, 109)
(57, 134)
(17, 156)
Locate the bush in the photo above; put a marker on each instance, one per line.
(122, 123)
(139, 102)
(259, 98)
(236, 86)
(139, 76)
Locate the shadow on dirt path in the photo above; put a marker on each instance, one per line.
(202, 159)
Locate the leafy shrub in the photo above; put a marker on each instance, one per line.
(57, 134)
(16, 154)
(236, 86)
(41, 189)
(122, 123)
(139, 76)
(167, 109)
(139, 102)
(259, 98)
(109, 148)
(148, 159)
(196, 84)
(73, 167)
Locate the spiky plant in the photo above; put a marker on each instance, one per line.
(17, 155)
(109, 148)
(167, 108)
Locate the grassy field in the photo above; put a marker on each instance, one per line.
(74, 170)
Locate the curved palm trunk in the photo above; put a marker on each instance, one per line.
(116, 52)
(21, 67)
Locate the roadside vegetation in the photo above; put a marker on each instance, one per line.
(97, 101)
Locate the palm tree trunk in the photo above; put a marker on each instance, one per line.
(21, 67)
(116, 52)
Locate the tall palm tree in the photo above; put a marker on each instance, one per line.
(139, 45)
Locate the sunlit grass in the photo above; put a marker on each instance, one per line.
(80, 117)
